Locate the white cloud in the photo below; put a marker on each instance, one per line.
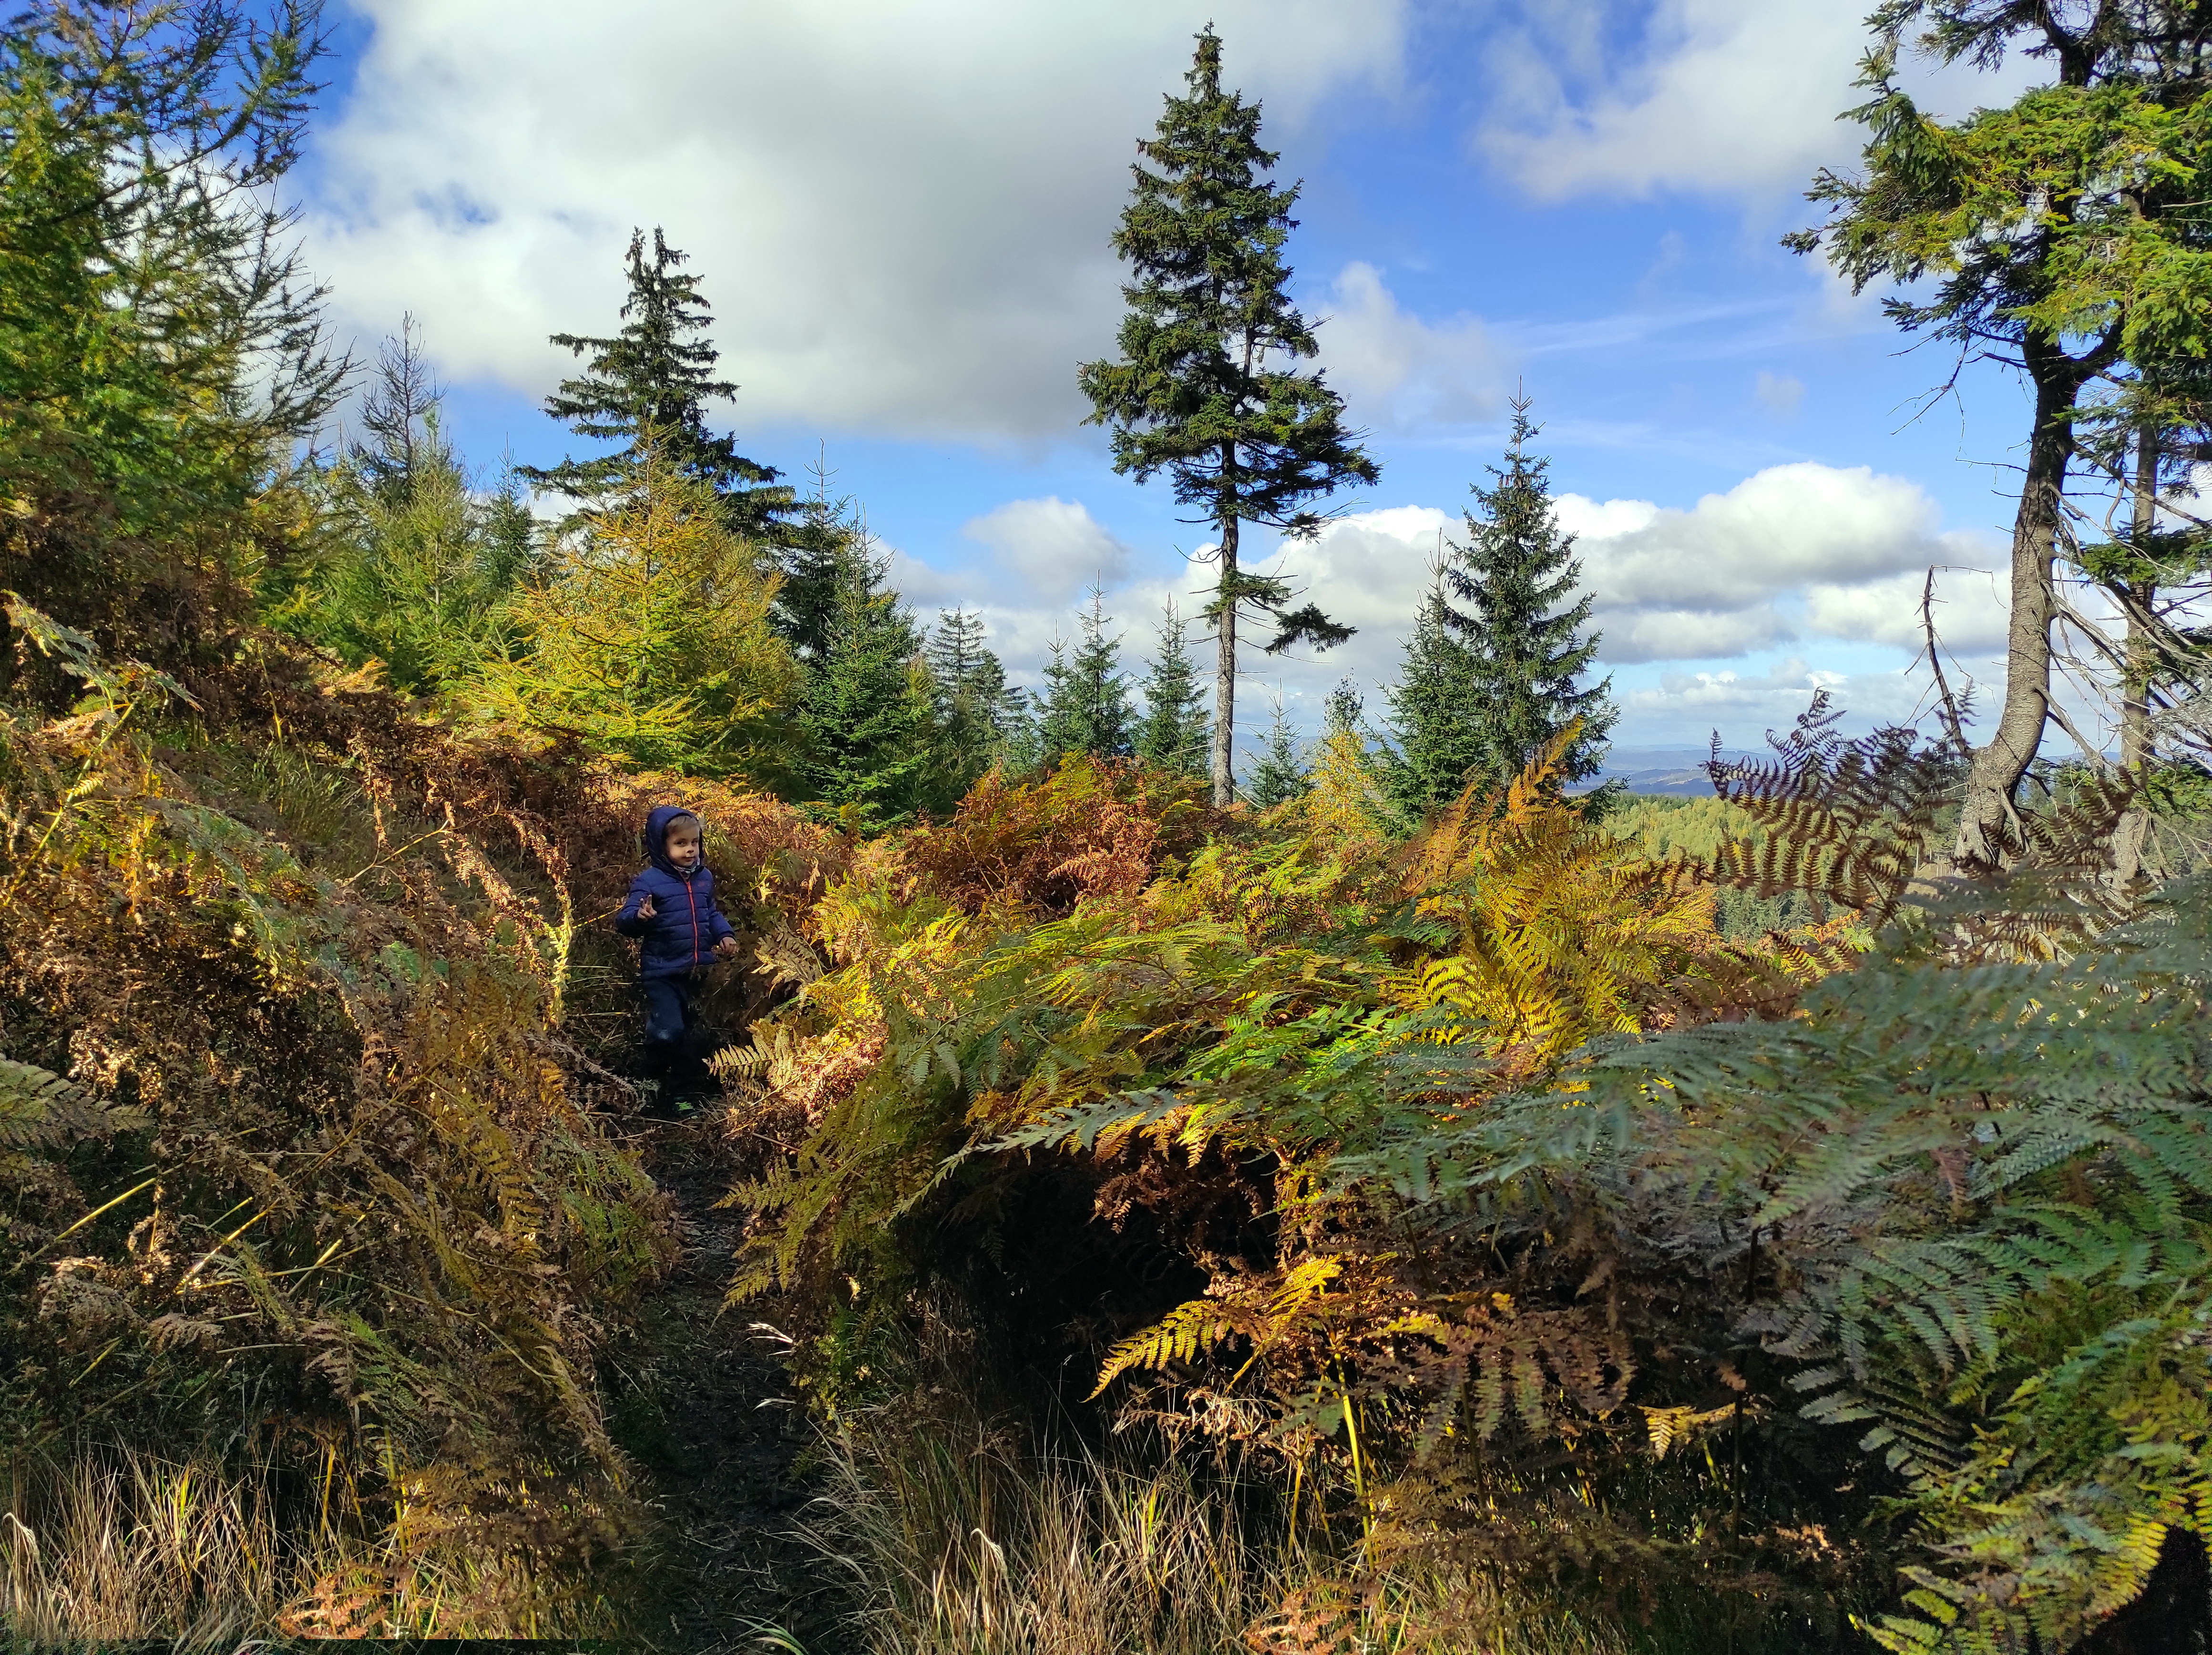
(1792, 552)
(1969, 611)
(1805, 545)
(1733, 98)
(1727, 96)
(1683, 707)
(901, 211)
(1692, 634)
(1792, 556)
(1397, 371)
(1055, 546)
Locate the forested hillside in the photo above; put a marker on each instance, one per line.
(1304, 1196)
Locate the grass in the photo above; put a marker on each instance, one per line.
(951, 1543)
(142, 1549)
(114, 1547)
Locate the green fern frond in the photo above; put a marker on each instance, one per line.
(39, 1109)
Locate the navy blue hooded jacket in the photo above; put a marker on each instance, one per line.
(687, 922)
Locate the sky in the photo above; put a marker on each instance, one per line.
(900, 212)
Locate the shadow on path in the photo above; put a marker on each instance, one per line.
(701, 1403)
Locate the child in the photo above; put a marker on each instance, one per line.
(678, 925)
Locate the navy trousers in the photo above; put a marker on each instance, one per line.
(667, 1012)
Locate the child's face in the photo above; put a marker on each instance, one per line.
(682, 844)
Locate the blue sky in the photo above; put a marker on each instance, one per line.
(901, 210)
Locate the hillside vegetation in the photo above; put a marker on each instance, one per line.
(1382, 1200)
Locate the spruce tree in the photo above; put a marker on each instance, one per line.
(866, 719)
(812, 555)
(513, 538)
(1523, 625)
(1435, 722)
(1204, 389)
(2030, 231)
(1280, 772)
(974, 705)
(162, 348)
(647, 388)
(958, 657)
(1174, 734)
(401, 403)
(1085, 707)
(414, 566)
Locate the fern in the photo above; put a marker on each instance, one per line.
(1557, 1181)
(39, 1109)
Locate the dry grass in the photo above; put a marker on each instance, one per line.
(953, 1544)
(124, 1546)
(148, 1551)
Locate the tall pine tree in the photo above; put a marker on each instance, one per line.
(1205, 388)
(1525, 624)
(647, 388)
(1085, 706)
(869, 731)
(1174, 734)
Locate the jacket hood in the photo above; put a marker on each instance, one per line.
(656, 838)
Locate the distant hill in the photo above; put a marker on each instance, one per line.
(1677, 770)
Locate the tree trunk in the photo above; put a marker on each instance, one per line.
(1224, 673)
(1987, 821)
(2135, 683)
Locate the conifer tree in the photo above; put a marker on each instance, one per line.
(402, 401)
(1523, 625)
(648, 385)
(511, 533)
(1435, 720)
(162, 348)
(1174, 734)
(414, 566)
(1205, 388)
(866, 718)
(646, 632)
(959, 659)
(974, 705)
(1347, 793)
(1085, 706)
(1280, 772)
(2062, 233)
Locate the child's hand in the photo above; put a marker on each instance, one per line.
(726, 949)
(645, 910)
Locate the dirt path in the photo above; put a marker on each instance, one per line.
(702, 1406)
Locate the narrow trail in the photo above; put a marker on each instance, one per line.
(702, 1406)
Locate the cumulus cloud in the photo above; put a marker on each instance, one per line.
(1722, 97)
(1793, 549)
(1969, 610)
(1395, 370)
(1685, 706)
(1725, 96)
(901, 211)
(1794, 554)
(1796, 563)
(1055, 546)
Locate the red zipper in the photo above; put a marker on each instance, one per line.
(692, 895)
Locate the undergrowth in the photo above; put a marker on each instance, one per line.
(317, 1200)
(1829, 1284)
